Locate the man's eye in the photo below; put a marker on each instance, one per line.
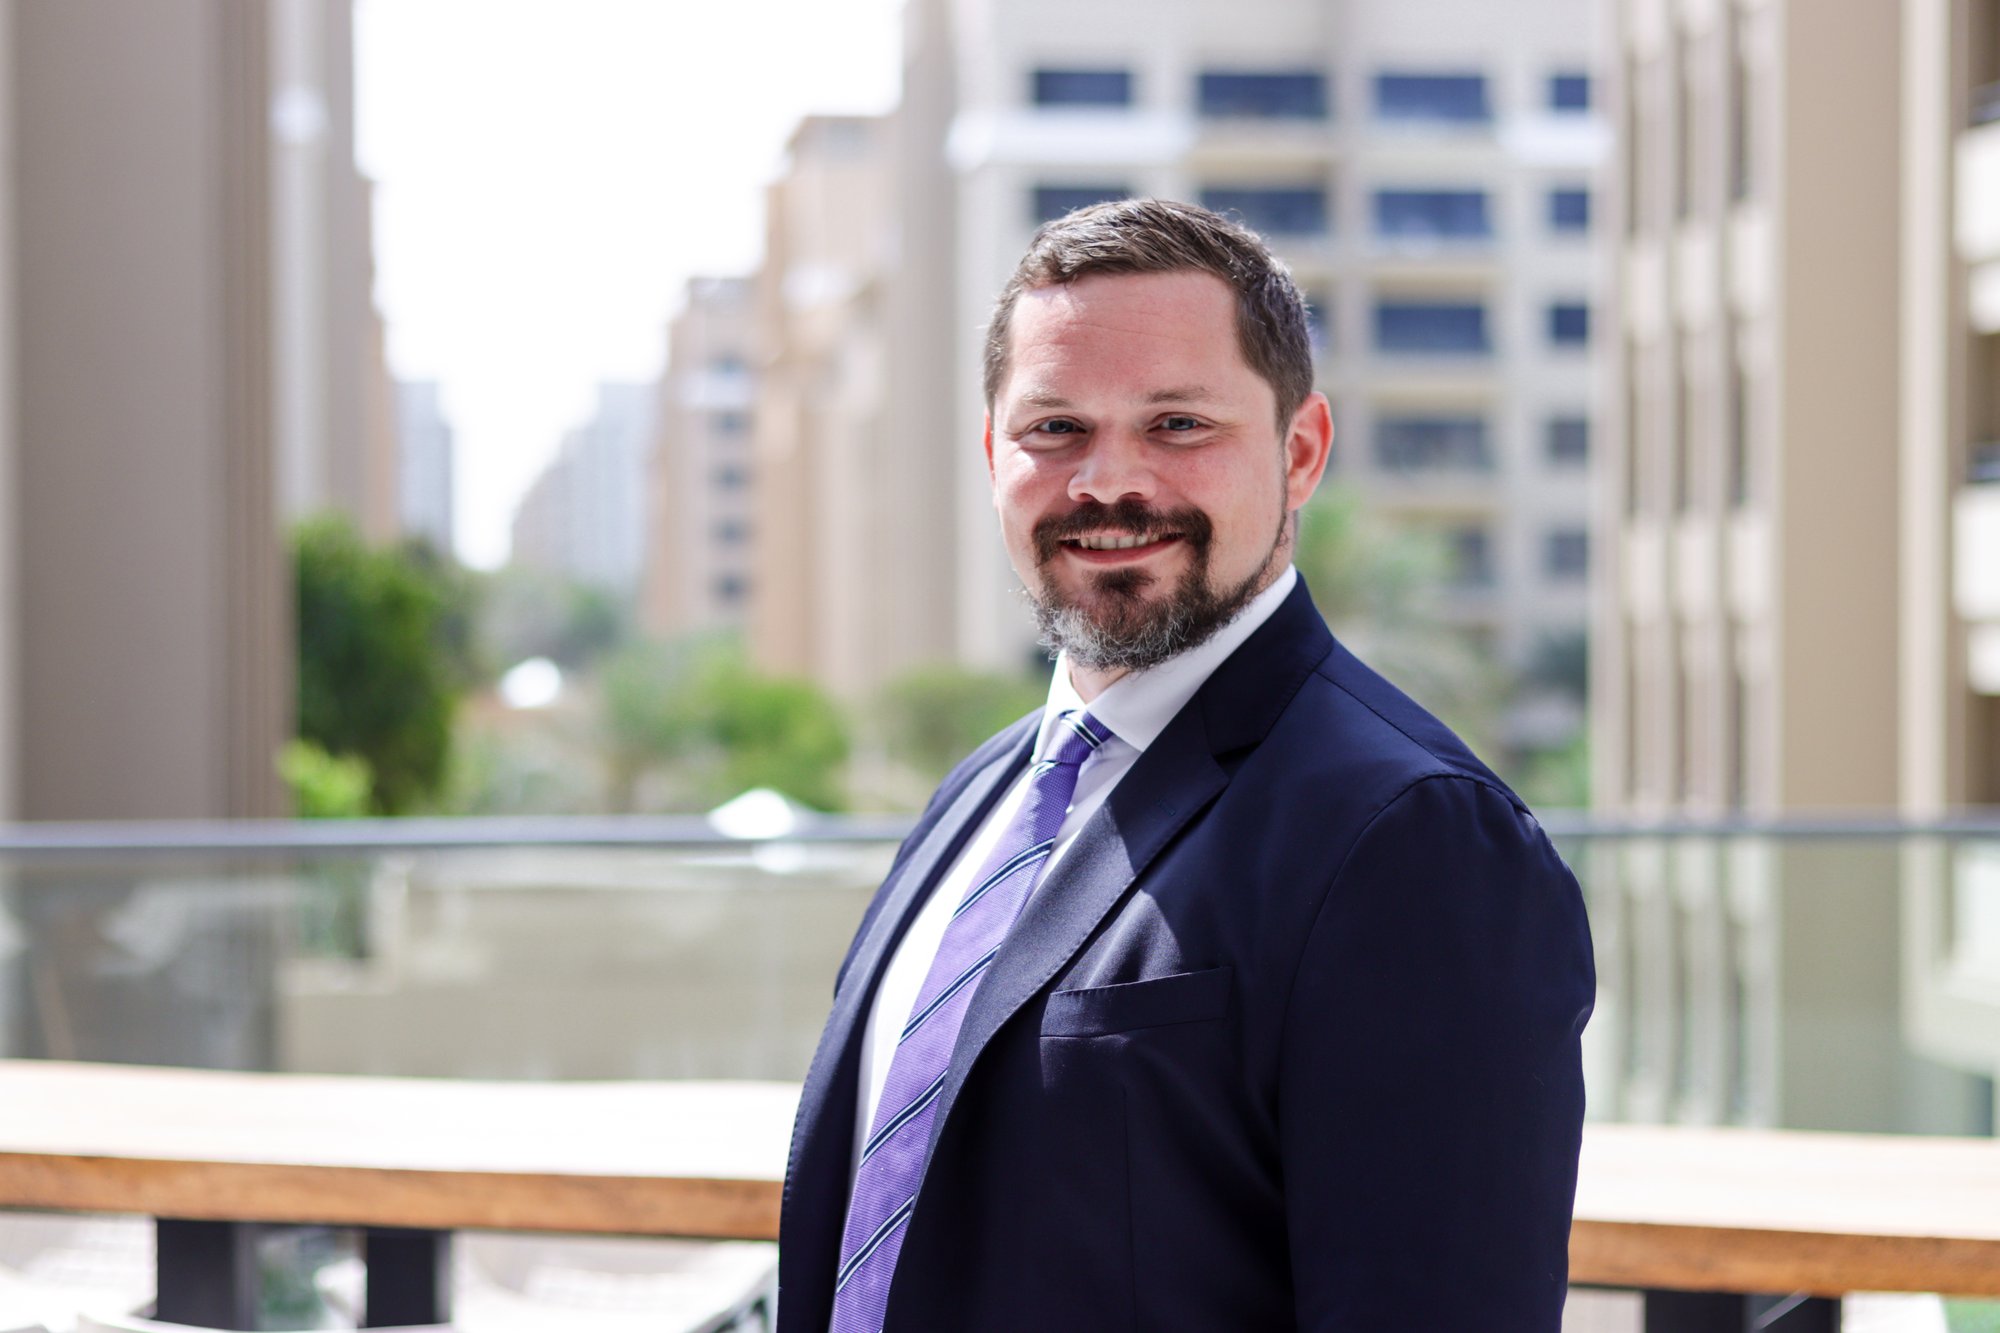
(1060, 426)
(1179, 423)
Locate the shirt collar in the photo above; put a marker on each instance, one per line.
(1138, 706)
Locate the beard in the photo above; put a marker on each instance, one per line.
(1111, 624)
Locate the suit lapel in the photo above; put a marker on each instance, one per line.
(815, 1198)
(1175, 778)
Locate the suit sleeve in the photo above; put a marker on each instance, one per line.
(1431, 1089)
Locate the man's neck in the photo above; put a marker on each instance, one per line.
(1088, 684)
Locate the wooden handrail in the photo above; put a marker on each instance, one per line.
(1662, 1208)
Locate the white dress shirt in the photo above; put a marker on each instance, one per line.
(1136, 708)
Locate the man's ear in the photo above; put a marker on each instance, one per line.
(1308, 446)
(986, 442)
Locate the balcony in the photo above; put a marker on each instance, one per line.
(1753, 980)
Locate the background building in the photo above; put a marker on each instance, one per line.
(585, 516)
(137, 479)
(1747, 623)
(334, 408)
(1949, 470)
(1427, 171)
(840, 536)
(698, 534)
(425, 465)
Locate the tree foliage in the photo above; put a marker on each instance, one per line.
(1385, 592)
(696, 715)
(380, 671)
(933, 717)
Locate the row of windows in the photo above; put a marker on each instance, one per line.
(1460, 99)
(1423, 328)
(1469, 551)
(1401, 215)
(1405, 326)
(1460, 442)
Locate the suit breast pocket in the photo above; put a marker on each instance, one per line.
(1185, 997)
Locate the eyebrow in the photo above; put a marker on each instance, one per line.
(1191, 393)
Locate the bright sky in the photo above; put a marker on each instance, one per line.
(550, 172)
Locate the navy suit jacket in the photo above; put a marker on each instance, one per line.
(1288, 1039)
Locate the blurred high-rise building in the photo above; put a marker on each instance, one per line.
(1949, 592)
(334, 409)
(585, 516)
(697, 565)
(424, 465)
(1426, 169)
(854, 535)
(145, 630)
(1746, 606)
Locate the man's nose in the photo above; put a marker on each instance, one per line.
(1115, 467)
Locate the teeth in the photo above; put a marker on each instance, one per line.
(1112, 542)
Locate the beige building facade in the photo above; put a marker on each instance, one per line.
(334, 407)
(1949, 478)
(145, 626)
(698, 533)
(1746, 653)
(853, 540)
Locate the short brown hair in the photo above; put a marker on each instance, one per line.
(1166, 236)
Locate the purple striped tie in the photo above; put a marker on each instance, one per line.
(892, 1160)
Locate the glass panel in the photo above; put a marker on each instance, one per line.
(1566, 554)
(1053, 201)
(1569, 210)
(1569, 92)
(1278, 211)
(1083, 87)
(1425, 443)
(1430, 326)
(1569, 324)
(1812, 980)
(1458, 98)
(1569, 440)
(1288, 96)
(1432, 214)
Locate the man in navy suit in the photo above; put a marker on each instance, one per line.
(1230, 991)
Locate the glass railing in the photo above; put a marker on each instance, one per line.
(1821, 976)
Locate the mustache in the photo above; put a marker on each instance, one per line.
(1132, 517)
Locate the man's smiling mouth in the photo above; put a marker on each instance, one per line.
(1119, 541)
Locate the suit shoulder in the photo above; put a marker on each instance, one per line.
(1352, 726)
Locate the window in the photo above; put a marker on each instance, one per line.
(731, 423)
(1569, 440)
(1430, 327)
(731, 531)
(1271, 96)
(1452, 98)
(1569, 324)
(1566, 555)
(1083, 87)
(1470, 550)
(731, 476)
(1278, 211)
(1569, 92)
(1432, 443)
(731, 589)
(1569, 210)
(1432, 214)
(1052, 201)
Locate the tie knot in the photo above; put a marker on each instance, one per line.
(1077, 735)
